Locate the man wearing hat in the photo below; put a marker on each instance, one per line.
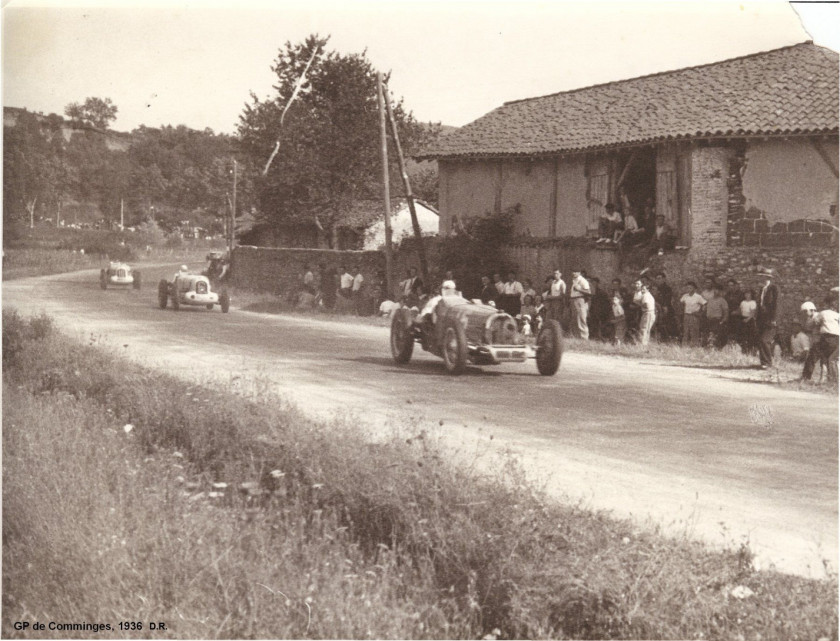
(768, 305)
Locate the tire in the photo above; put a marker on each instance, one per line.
(224, 302)
(136, 284)
(176, 304)
(549, 348)
(209, 305)
(103, 279)
(454, 347)
(163, 294)
(402, 338)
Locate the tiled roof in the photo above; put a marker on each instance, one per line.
(793, 90)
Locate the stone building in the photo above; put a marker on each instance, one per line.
(740, 157)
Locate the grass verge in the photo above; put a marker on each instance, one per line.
(229, 517)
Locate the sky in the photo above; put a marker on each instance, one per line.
(195, 63)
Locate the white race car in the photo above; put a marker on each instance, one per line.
(193, 290)
(119, 275)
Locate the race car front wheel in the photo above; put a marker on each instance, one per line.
(454, 347)
(549, 348)
(163, 294)
(402, 341)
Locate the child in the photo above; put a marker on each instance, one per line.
(529, 310)
(749, 307)
(617, 317)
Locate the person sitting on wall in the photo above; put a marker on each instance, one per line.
(608, 224)
(632, 234)
(663, 236)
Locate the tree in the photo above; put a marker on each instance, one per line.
(95, 112)
(27, 168)
(329, 155)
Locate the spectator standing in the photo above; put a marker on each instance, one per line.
(617, 318)
(499, 284)
(829, 327)
(488, 291)
(749, 335)
(579, 297)
(800, 344)
(345, 283)
(555, 297)
(665, 317)
(644, 299)
(308, 280)
(511, 301)
(766, 321)
(717, 314)
(411, 288)
(599, 310)
(692, 304)
(527, 290)
(733, 296)
(811, 324)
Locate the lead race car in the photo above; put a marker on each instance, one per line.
(462, 331)
(119, 274)
(192, 290)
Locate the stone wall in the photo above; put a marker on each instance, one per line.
(279, 270)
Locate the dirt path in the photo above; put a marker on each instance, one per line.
(690, 452)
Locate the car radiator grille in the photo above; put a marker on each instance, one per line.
(201, 288)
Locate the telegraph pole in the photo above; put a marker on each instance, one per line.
(383, 137)
(232, 213)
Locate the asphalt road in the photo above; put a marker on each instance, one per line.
(685, 449)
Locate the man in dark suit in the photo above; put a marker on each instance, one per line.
(768, 305)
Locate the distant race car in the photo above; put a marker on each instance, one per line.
(193, 290)
(469, 332)
(120, 275)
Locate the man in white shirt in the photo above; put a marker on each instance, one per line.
(693, 304)
(346, 282)
(644, 299)
(579, 297)
(556, 297)
(511, 299)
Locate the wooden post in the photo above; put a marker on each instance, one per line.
(418, 234)
(231, 235)
(383, 137)
(122, 215)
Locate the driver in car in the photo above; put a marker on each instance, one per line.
(447, 291)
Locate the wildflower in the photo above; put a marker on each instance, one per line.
(741, 592)
(220, 486)
(215, 495)
(317, 486)
(177, 455)
(276, 474)
(625, 540)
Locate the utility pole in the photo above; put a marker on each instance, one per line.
(122, 215)
(421, 249)
(232, 214)
(383, 137)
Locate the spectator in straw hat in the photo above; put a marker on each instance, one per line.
(766, 317)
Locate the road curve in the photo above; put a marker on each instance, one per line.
(682, 448)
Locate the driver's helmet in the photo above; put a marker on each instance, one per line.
(448, 288)
(184, 269)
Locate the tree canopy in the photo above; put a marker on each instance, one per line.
(96, 112)
(329, 141)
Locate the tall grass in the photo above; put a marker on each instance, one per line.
(318, 532)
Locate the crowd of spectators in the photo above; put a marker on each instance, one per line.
(624, 230)
(711, 315)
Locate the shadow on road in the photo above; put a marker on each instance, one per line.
(423, 368)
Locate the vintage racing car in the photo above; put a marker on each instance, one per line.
(190, 289)
(119, 274)
(469, 332)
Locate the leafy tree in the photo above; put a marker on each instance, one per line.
(27, 168)
(95, 112)
(329, 149)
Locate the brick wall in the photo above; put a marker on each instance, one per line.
(709, 198)
(751, 227)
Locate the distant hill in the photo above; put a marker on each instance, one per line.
(114, 140)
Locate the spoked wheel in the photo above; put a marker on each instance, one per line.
(136, 283)
(454, 347)
(402, 339)
(549, 348)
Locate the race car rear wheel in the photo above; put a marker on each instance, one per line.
(163, 294)
(454, 347)
(224, 302)
(402, 340)
(136, 283)
(549, 348)
(103, 279)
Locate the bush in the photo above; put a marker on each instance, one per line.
(17, 332)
